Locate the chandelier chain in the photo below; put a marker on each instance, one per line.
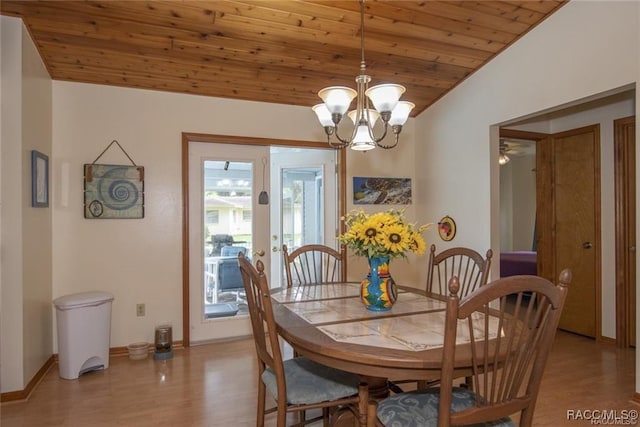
(384, 97)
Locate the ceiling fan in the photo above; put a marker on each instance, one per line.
(515, 148)
(503, 158)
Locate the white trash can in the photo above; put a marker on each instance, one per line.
(84, 331)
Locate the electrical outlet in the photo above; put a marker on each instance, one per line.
(140, 309)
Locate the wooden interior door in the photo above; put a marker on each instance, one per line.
(625, 201)
(576, 179)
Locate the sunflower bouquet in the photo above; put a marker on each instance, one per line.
(382, 234)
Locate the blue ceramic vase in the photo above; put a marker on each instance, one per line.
(378, 291)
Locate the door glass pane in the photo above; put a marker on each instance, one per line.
(227, 230)
(302, 207)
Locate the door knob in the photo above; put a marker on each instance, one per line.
(587, 245)
(259, 253)
(275, 249)
(632, 248)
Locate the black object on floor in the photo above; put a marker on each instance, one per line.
(226, 309)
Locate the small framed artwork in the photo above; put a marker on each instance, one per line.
(39, 179)
(447, 228)
(113, 191)
(381, 191)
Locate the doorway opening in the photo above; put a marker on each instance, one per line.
(602, 111)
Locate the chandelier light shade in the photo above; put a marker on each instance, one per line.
(371, 115)
(385, 99)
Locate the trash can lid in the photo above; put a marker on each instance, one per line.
(82, 299)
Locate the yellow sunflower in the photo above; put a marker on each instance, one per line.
(418, 245)
(397, 239)
(384, 218)
(382, 234)
(370, 233)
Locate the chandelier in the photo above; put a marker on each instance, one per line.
(386, 102)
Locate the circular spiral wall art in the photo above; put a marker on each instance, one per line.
(116, 191)
(113, 191)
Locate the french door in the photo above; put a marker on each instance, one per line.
(304, 183)
(250, 199)
(224, 218)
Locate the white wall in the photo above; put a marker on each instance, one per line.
(140, 260)
(37, 223)
(458, 127)
(26, 232)
(524, 202)
(137, 260)
(395, 163)
(602, 113)
(567, 58)
(517, 203)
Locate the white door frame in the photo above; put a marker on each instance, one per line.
(203, 330)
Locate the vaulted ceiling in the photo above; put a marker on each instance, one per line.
(274, 51)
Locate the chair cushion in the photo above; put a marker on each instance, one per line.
(420, 408)
(310, 382)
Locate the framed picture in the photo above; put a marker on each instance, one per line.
(39, 179)
(113, 191)
(381, 191)
(447, 228)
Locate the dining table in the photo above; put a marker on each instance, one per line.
(329, 324)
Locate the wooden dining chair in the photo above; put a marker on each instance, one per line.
(472, 271)
(313, 265)
(503, 332)
(468, 265)
(297, 384)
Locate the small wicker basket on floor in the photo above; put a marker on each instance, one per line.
(138, 350)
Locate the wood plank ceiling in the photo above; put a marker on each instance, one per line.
(274, 51)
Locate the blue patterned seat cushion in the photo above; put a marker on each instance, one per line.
(420, 408)
(310, 382)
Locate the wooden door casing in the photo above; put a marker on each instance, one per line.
(625, 206)
(544, 209)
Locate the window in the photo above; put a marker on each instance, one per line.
(246, 216)
(213, 217)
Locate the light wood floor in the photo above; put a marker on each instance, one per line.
(214, 385)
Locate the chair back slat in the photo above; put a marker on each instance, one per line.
(504, 331)
(313, 265)
(471, 269)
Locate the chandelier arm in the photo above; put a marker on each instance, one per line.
(396, 132)
(337, 145)
(331, 130)
(372, 136)
(328, 131)
(343, 142)
(387, 147)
